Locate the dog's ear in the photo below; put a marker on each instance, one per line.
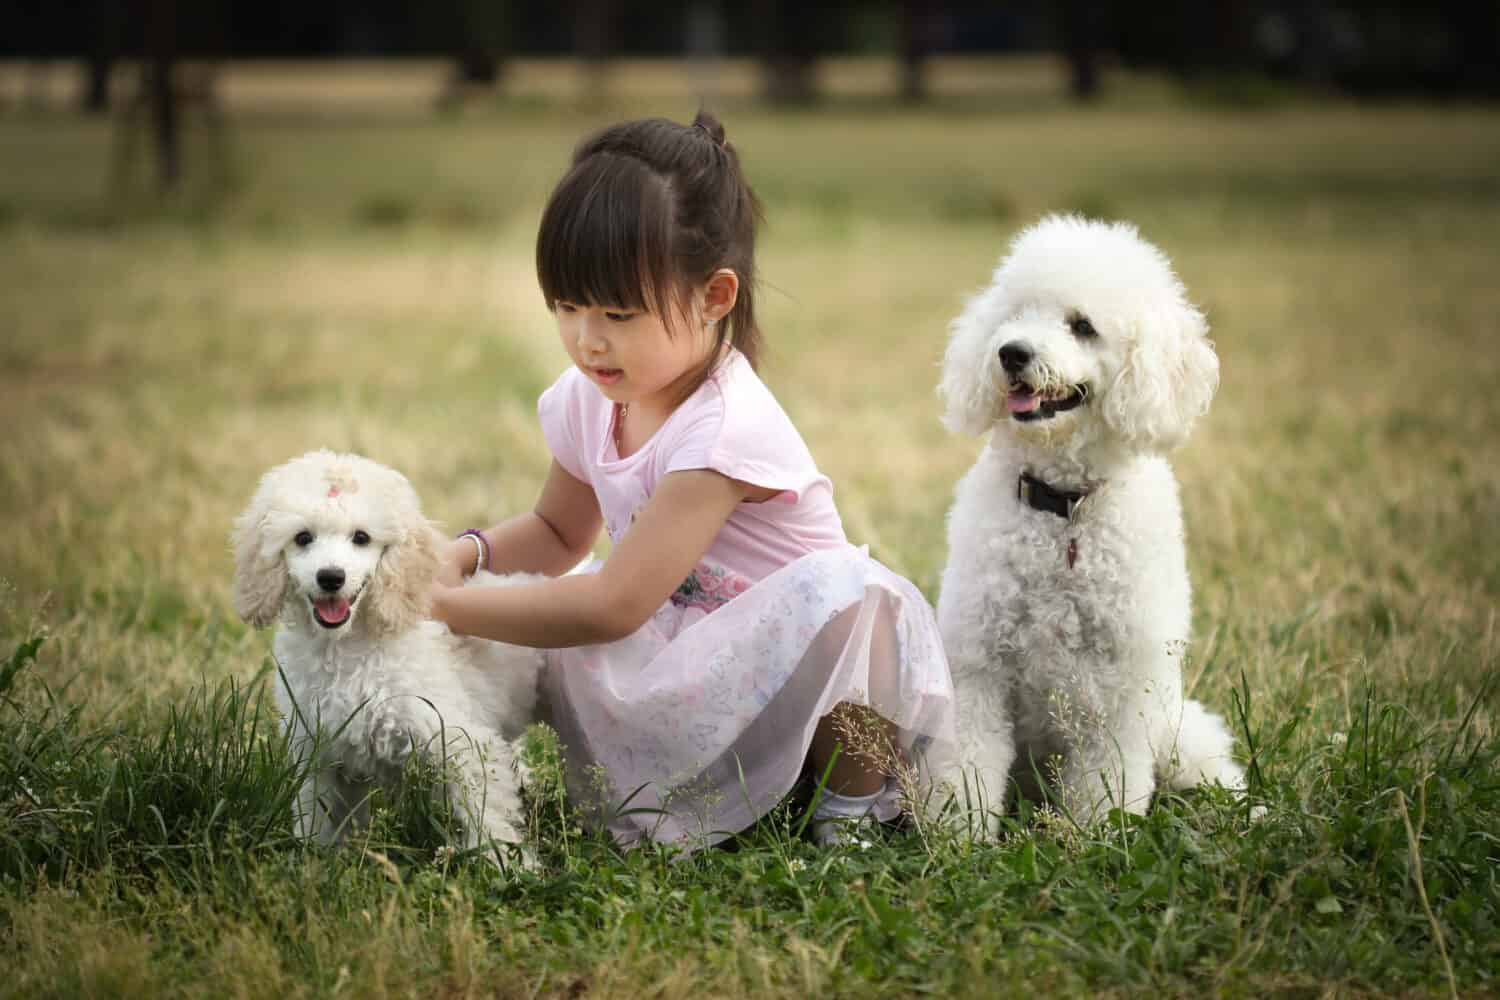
(260, 579)
(970, 375)
(400, 589)
(1168, 379)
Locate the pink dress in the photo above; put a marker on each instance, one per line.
(698, 723)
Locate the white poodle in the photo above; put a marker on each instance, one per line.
(335, 548)
(1065, 604)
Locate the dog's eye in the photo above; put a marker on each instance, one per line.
(303, 538)
(361, 537)
(1081, 327)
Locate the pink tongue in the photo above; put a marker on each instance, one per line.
(1022, 402)
(332, 609)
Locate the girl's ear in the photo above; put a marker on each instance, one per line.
(720, 294)
(400, 588)
(970, 369)
(260, 579)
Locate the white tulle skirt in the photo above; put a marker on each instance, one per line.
(699, 723)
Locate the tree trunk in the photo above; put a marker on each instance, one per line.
(99, 63)
(161, 45)
(594, 37)
(918, 34)
(788, 45)
(1081, 32)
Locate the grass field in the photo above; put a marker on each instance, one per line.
(364, 281)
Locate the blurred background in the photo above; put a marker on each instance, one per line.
(159, 63)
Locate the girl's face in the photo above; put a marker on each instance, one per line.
(630, 354)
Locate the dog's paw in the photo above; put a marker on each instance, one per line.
(524, 772)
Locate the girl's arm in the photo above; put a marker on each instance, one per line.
(668, 537)
(550, 539)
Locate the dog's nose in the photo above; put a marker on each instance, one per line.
(331, 579)
(1014, 356)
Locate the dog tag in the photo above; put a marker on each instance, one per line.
(1072, 552)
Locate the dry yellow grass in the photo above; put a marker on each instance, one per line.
(369, 286)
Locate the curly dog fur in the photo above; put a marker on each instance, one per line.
(1084, 363)
(334, 549)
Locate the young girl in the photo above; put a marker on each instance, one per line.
(733, 634)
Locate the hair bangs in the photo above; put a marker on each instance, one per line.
(605, 237)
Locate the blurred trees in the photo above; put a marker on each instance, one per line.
(594, 38)
(481, 42)
(1400, 46)
(174, 47)
(790, 38)
(160, 93)
(1443, 48)
(921, 35)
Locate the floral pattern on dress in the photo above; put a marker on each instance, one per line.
(709, 587)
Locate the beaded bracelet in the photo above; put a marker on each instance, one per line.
(481, 546)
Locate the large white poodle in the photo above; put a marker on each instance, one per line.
(335, 549)
(1065, 603)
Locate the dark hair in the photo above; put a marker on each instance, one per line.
(648, 209)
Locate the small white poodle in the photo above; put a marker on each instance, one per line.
(335, 549)
(1065, 604)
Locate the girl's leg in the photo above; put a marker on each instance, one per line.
(866, 743)
(866, 749)
(853, 744)
(861, 748)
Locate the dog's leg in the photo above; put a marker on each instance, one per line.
(987, 745)
(326, 803)
(306, 818)
(1109, 769)
(485, 795)
(331, 807)
(305, 812)
(1201, 751)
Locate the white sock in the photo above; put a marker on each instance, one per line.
(832, 805)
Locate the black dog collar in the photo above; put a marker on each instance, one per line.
(1039, 496)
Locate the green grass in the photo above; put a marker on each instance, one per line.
(364, 281)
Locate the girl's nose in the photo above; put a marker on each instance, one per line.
(588, 337)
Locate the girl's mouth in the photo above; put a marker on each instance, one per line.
(606, 376)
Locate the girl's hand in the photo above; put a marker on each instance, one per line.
(438, 599)
(457, 563)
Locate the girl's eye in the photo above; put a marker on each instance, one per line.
(619, 317)
(1082, 328)
(563, 307)
(303, 538)
(361, 538)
